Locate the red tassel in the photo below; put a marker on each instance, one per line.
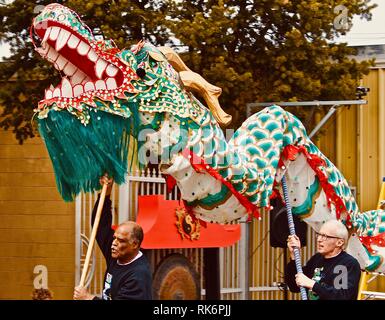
(290, 152)
(170, 183)
(378, 240)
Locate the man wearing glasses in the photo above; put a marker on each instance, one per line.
(331, 274)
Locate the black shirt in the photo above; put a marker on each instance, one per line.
(131, 281)
(336, 278)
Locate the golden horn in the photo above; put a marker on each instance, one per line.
(195, 82)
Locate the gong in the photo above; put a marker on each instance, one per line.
(176, 279)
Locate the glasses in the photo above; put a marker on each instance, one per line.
(324, 237)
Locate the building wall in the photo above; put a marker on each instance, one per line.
(361, 141)
(36, 225)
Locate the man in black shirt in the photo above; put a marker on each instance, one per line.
(331, 274)
(128, 275)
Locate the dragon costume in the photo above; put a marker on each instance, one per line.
(110, 100)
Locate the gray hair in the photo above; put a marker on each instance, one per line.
(339, 229)
(136, 233)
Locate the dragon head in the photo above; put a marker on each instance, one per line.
(96, 75)
(108, 97)
(111, 92)
(89, 68)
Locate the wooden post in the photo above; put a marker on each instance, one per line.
(211, 273)
(93, 236)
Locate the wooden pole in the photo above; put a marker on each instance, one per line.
(93, 235)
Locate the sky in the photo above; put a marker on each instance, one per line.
(362, 33)
(365, 32)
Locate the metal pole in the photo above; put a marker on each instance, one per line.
(331, 111)
(297, 253)
(336, 103)
(306, 103)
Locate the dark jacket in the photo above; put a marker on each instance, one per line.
(121, 282)
(336, 278)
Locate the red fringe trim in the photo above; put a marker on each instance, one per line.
(290, 152)
(199, 165)
(378, 240)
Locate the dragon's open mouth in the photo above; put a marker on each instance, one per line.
(86, 69)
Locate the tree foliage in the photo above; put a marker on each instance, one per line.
(261, 50)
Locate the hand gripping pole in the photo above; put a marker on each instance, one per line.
(297, 254)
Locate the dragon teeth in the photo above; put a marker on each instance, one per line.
(111, 70)
(100, 85)
(78, 90)
(83, 48)
(62, 39)
(46, 35)
(86, 79)
(70, 69)
(111, 84)
(52, 54)
(66, 88)
(73, 41)
(48, 94)
(54, 33)
(56, 93)
(92, 55)
(76, 81)
(78, 77)
(100, 67)
(61, 62)
(89, 86)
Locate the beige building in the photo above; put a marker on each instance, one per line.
(36, 225)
